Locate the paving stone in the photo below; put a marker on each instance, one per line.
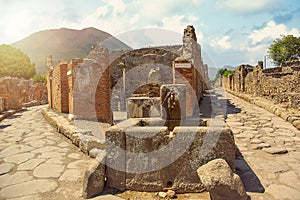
(28, 197)
(52, 155)
(11, 179)
(261, 146)
(33, 138)
(6, 167)
(63, 144)
(36, 143)
(70, 175)
(17, 148)
(284, 132)
(277, 191)
(30, 164)
(267, 165)
(48, 170)
(77, 164)
(19, 158)
(50, 142)
(256, 141)
(58, 161)
(275, 150)
(267, 129)
(28, 188)
(74, 155)
(46, 149)
(290, 179)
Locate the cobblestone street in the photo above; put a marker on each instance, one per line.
(270, 146)
(36, 162)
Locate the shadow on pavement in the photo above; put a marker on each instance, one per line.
(4, 126)
(247, 175)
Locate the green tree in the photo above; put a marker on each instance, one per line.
(13, 62)
(284, 49)
(39, 78)
(223, 72)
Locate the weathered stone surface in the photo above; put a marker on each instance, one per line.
(52, 155)
(107, 197)
(30, 164)
(218, 179)
(70, 175)
(48, 170)
(173, 107)
(88, 142)
(19, 158)
(141, 107)
(290, 179)
(18, 148)
(28, 188)
(261, 146)
(154, 158)
(94, 178)
(11, 179)
(74, 155)
(162, 194)
(94, 152)
(171, 194)
(277, 190)
(275, 150)
(76, 164)
(6, 167)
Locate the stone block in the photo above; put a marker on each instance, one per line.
(94, 178)
(173, 101)
(151, 158)
(222, 184)
(140, 107)
(115, 158)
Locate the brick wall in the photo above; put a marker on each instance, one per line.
(60, 88)
(17, 92)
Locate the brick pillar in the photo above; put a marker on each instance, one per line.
(185, 74)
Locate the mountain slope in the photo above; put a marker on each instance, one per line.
(64, 44)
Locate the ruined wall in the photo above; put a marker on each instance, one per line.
(144, 71)
(280, 84)
(91, 91)
(16, 93)
(60, 88)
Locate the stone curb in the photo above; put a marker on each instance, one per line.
(268, 105)
(83, 139)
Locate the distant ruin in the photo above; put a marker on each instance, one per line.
(16, 93)
(279, 84)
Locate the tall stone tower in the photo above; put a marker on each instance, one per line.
(190, 48)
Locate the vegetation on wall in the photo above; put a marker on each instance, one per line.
(14, 63)
(39, 78)
(284, 49)
(224, 72)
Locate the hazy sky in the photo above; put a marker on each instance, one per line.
(231, 32)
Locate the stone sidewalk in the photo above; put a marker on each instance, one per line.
(271, 150)
(37, 162)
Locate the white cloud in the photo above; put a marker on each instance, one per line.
(246, 6)
(271, 31)
(134, 17)
(223, 43)
(118, 6)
